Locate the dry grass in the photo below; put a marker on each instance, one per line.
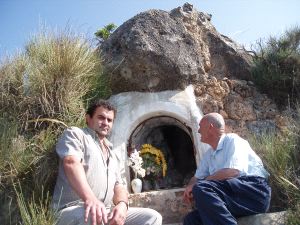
(37, 212)
(281, 155)
(42, 91)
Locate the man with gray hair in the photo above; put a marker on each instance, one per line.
(230, 180)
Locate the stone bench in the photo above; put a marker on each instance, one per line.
(169, 203)
(277, 218)
(260, 219)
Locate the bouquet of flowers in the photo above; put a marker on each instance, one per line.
(154, 161)
(136, 163)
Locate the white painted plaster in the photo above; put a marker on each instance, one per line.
(136, 107)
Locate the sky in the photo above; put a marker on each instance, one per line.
(244, 21)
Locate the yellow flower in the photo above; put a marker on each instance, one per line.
(159, 156)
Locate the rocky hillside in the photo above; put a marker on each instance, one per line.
(158, 50)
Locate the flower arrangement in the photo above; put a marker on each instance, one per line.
(154, 161)
(136, 164)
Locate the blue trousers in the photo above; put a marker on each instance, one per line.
(221, 202)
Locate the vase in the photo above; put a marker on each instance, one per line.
(136, 185)
(147, 185)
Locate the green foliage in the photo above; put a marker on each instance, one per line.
(104, 33)
(59, 70)
(13, 100)
(294, 216)
(42, 91)
(277, 68)
(280, 154)
(30, 161)
(36, 212)
(100, 88)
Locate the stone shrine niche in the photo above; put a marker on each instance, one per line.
(168, 120)
(174, 139)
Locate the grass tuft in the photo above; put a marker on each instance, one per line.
(280, 153)
(36, 212)
(42, 91)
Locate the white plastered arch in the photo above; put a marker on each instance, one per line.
(135, 107)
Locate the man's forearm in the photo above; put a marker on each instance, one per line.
(120, 194)
(224, 174)
(192, 181)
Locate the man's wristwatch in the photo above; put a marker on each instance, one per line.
(126, 203)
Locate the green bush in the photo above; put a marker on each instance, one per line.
(36, 211)
(276, 68)
(42, 91)
(281, 155)
(59, 70)
(104, 33)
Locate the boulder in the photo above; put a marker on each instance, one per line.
(158, 50)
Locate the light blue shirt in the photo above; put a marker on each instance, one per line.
(232, 152)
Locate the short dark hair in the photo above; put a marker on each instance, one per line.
(100, 103)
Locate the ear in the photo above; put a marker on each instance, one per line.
(87, 119)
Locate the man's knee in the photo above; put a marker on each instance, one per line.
(73, 215)
(143, 216)
(154, 216)
(192, 218)
(188, 219)
(201, 190)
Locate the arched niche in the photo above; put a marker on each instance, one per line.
(138, 110)
(175, 140)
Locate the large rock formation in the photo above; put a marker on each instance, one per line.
(158, 50)
(162, 51)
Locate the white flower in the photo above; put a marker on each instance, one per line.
(136, 163)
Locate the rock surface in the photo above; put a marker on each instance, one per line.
(158, 50)
(277, 218)
(172, 208)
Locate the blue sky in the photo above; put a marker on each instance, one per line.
(245, 21)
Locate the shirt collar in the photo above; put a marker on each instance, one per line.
(95, 137)
(221, 142)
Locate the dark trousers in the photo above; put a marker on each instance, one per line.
(221, 202)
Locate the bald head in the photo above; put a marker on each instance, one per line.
(211, 128)
(216, 120)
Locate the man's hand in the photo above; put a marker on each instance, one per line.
(118, 214)
(96, 210)
(188, 195)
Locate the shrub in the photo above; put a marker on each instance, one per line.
(276, 68)
(280, 152)
(59, 70)
(36, 212)
(104, 33)
(42, 91)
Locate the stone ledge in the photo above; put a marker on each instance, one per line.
(169, 203)
(276, 218)
(260, 219)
